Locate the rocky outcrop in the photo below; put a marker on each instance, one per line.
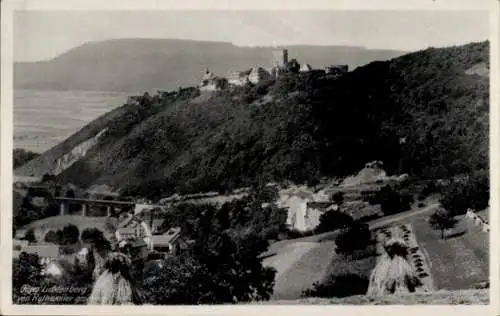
(76, 153)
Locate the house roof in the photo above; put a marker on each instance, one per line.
(170, 236)
(126, 230)
(305, 67)
(142, 207)
(320, 205)
(136, 243)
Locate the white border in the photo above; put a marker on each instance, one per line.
(8, 6)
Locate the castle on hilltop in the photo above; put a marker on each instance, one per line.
(256, 74)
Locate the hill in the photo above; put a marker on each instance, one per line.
(147, 64)
(422, 113)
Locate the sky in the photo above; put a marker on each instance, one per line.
(41, 35)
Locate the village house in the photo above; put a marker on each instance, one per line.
(131, 228)
(314, 210)
(170, 242)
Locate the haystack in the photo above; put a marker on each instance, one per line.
(393, 274)
(114, 286)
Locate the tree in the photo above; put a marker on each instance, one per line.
(472, 191)
(221, 83)
(96, 238)
(338, 198)
(391, 201)
(70, 193)
(333, 220)
(442, 220)
(26, 270)
(51, 237)
(48, 177)
(69, 235)
(225, 268)
(30, 235)
(356, 237)
(22, 156)
(293, 66)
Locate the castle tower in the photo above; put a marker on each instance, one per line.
(280, 58)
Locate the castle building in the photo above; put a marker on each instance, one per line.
(258, 74)
(239, 78)
(208, 82)
(305, 68)
(280, 58)
(280, 62)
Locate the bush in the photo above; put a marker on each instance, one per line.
(295, 233)
(471, 192)
(333, 220)
(69, 235)
(22, 156)
(338, 198)
(95, 237)
(266, 194)
(357, 237)
(429, 188)
(69, 249)
(391, 201)
(339, 286)
(30, 235)
(51, 237)
(26, 270)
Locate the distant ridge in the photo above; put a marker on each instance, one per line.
(144, 64)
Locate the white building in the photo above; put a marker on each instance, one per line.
(305, 68)
(239, 78)
(133, 228)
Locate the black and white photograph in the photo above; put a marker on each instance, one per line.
(249, 157)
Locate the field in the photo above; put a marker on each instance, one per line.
(460, 260)
(299, 264)
(44, 118)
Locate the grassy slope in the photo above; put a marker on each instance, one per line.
(458, 261)
(303, 272)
